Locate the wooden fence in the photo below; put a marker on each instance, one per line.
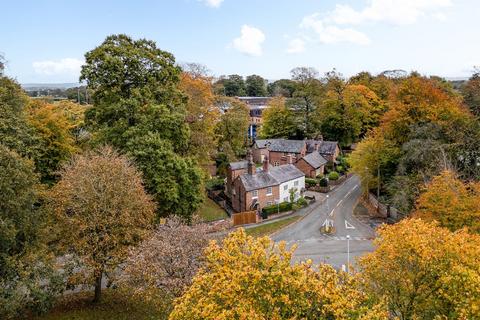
(385, 211)
(244, 218)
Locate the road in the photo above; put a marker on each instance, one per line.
(332, 249)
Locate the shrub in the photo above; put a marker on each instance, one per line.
(282, 207)
(310, 182)
(324, 182)
(333, 176)
(215, 184)
(340, 169)
(302, 202)
(320, 176)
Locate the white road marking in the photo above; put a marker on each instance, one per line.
(348, 225)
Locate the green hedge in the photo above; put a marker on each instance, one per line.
(215, 184)
(310, 182)
(282, 207)
(333, 176)
(302, 202)
(340, 169)
(323, 182)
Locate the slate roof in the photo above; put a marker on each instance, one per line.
(325, 147)
(281, 145)
(315, 160)
(273, 177)
(239, 165)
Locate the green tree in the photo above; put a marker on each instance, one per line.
(232, 128)
(255, 86)
(278, 120)
(282, 87)
(308, 90)
(27, 279)
(174, 182)
(100, 209)
(234, 86)
(15, 131)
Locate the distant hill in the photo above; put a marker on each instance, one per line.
(43, 86)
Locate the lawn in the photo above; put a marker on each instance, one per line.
(210, 211)
(114, 306)
(269, 228)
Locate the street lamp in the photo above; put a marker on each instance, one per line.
(348, 253)
(278, 205)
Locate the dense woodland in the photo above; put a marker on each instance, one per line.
(85, 188)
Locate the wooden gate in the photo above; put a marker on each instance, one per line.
(244, 218)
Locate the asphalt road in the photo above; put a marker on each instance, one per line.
(338, 211)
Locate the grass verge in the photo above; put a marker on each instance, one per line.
(269, 228)
(114, 306)
(210, 211)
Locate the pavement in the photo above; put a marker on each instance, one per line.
(336, 211)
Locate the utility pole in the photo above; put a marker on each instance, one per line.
(378, 178)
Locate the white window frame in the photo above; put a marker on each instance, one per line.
(295, 183)
(269, 191)
(255, 194)
(285, 187)
(269, 203)
(286, 199)
(276, 163)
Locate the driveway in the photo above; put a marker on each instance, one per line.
(338, 211)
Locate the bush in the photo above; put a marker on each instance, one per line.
(215, 184)
(333, 176)
(340, 169)
(302, 202)
(320, 176)
(310, 182)
(324, 182)
(282, 207)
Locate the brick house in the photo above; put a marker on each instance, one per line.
(255, 189)
(279, 150)
(312, 164)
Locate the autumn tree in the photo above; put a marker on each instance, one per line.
(55, 133)
(250, 278)
(232, 128)
(202, 115)
(451, 202)
(27, 278)
(255, 86)
(100, 209)
(471, 92)
(423, 271)
(278, 120)
(163, 265)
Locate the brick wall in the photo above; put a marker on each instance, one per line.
(282, 158)
(258, 153)
(307, 169)
(242, 200)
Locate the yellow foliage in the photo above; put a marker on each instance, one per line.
(423, 271)
(453, 203)
(253, 278)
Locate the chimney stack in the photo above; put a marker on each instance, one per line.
(317, 146)
(265, 164)
(290, 158)
(251, 166)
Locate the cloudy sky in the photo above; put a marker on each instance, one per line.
(44, 41)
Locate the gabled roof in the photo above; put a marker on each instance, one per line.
(239, 165)
(324, 147)
(273, 177)
(315, 160)
(281, 145)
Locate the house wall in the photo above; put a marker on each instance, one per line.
(308, 170)
(231, 176)
(286, 186)
(242, 200)
(259, 154)
(279, 158)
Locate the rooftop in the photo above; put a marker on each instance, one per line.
(274, 176)
(315, 160)
(281, 145)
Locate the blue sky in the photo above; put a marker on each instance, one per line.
(44, 41)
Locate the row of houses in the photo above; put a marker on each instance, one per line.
(275, 171)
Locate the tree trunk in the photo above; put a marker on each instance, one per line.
(98, 288)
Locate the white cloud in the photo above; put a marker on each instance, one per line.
(398, 12)
(331, 33)
(296, 46)
(67, 66)
(212, 3)
(337, 26)
(250, 41)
